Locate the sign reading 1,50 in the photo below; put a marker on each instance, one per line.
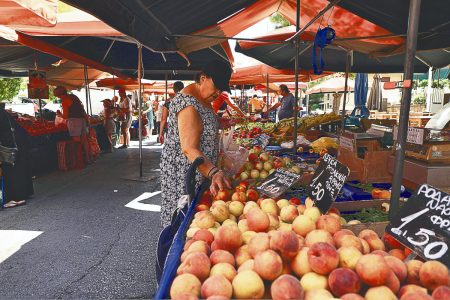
(434, 250)
(318, 190)
(270, 188)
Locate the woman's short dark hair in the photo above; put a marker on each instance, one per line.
(284, 88)
(178, 86)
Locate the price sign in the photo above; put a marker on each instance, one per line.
(262, 140)
(347, 143)
(277, 183)
(423, 224)
(327, 181)
(415, 135)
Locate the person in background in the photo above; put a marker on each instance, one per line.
(286, 104)
(159, 112)
(192, 133)
(254, 105)
(125, 117)
(148, 111)
(177, 87)
(110, 125)
(77, 119)
(221, 103)
(18, 184)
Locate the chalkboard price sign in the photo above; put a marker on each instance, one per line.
(327, 181)
(277, 183)
(423, 224)
(262, 140)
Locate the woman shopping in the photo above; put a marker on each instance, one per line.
(192, 133)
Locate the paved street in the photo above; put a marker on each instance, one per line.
(91, 245)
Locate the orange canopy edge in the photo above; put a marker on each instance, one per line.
(28, 12)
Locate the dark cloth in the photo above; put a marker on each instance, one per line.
(287, 107)
(18, 178)
(167, 104)
(76, 110)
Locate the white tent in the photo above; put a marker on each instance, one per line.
(332, 85)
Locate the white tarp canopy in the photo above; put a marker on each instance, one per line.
(332, 85)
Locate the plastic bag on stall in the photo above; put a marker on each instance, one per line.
(324, 142)
(302, 141)
(232, 156)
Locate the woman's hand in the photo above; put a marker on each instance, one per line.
(219, 182)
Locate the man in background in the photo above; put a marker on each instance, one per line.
(286, 104)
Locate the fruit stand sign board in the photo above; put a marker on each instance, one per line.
(347, 143)
(277, 183)
(423, 224)
(327, 182)
(415, 135)
(262, 140)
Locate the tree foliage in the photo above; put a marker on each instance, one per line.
(9, 88)
(279, 20)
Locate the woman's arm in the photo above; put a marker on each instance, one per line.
(162, 126)
(234, 107)
(190, 128)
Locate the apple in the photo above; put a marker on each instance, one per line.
(239, 196)
(433, 274)
(223, 195)
(296, 169)
(286, 287)
(372, 269)
(323, 258)
(258, 243)
(380, 292)
(348, 257)
(309, 202)
(242, 225)
(259, 166)
(268, 264)
(191, 231)
(328, 223)
(257, 149)
(244, 175)
(254, 174)
(264, 156)
(313, 281)
(288, 213)
(282, 203)
(365, 246)
(196, 263)
(185, 283)
(252, 195)
(271, 171)
(268, 166)
(300, 264)
(216, 285)
(248, 166)
(343, 281)
(253, 157)
(185, 296)
(263, 174)
(248, 285)
(340, 233)
(278, 163)
(236, 208)
(303, 225)
(257, 220)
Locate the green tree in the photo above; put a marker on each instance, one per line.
(279, 20)
(9, 88)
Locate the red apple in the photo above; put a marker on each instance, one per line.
(252, 195)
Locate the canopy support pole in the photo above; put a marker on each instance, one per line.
(347, 71)
(167, 87)
(411, 44)
(430, 81)
(297, 51)
(86, 83)
(267, 89)
(140, 106)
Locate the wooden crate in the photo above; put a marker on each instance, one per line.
(378, 227)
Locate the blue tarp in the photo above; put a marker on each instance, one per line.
(361, 88)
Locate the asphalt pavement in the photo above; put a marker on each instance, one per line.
(91, 245)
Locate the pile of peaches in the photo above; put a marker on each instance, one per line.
(275, 249)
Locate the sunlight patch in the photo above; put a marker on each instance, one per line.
(12, 240)
(136, 203)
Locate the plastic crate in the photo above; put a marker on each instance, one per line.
(70, 156)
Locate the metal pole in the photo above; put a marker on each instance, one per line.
(140, 106)
(297, 50)
(411, 43)
(86, 89)
(267, 88)
(347, 71)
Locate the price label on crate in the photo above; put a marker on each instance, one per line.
(327, 181)
(277, 183)
(262, 140)
(423, 224)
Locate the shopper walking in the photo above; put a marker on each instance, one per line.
(192, 133)
(125, 118)
(149, 113)
(108, 123)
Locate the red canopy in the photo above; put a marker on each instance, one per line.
(127, 84)
(28, 12)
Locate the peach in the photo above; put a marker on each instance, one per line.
(185, 283)
(223, 195)
(217, 298)
(247, 265)
(323, 258)
(343, 281)
(318, 235)
(303, 225)
(269, 206)
(380, 252)
(188, 244)
(199, 246)
(214, 246)
(285, 226)
(413, 266)
(204, 235)
(375, 244)
(398, 266)
(288, 213)
(410, 288)
(258, 243)
(247, 236)
(242, 255)
(392, 282)
(185, 296)
(320, 294)
(282, 203)
(204, 219)
(257, 220)
(433, 274)
(274, 223)
(236, 208)
(340, 233)
(268, 265)
(349, 241)
(196, 263)
(348, 257)
(309, 202)
(216, 285)
(286, 287)
(287, 270)
(313, 213)
(224, 269)
(300, 264)
(351, 296)
(228, 238)
(218, 202)
(301, 209)
(365, 246)
(313, 281)
(328, 223)
(248, 285)
(249, 205)
(243, 226)
(286, 243)
(191, 231)
(213, 231)
(397, 253)
(220, 213)
(417, 295)
(367, 233)
(372, 269)
(380, 292)
(239, 196)
(441, 292)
